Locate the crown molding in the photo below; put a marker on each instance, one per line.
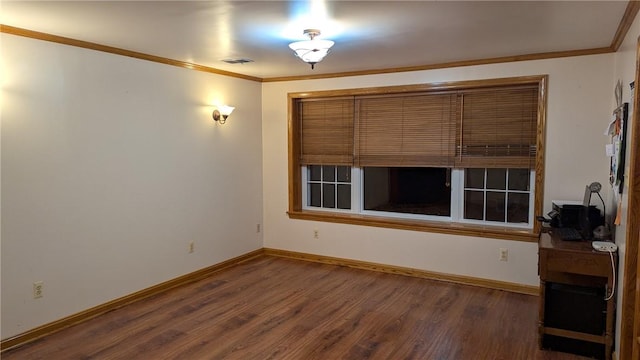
(118, 51)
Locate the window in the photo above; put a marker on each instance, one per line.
(328, 186)
(498, 195)
(422, 157)
(413, 190)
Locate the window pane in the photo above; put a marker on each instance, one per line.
(315, 198)
(519, 179)
(423, 191)
(497, 179)
(344, 174)
(376, 187)
(328, 173)
(344, 196)
(495, 206)
(328, 195)
(473, 205)
(518, 208)
(314, 172)
(474, 178)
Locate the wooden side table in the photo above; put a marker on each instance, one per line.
(567, 265)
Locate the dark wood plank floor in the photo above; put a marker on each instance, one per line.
(276, 308)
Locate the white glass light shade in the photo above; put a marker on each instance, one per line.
(226, 110)
(221, 113)
(311, 51)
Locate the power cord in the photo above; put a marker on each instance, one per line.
(613, 270)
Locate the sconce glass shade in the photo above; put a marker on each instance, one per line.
(311, 51)
(222, 113)
(226, 110)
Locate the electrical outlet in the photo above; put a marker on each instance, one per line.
(504, 254)
(38, 289)
(192, 246)
(316, 234)
(257, 228)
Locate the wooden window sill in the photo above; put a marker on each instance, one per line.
(485, 231)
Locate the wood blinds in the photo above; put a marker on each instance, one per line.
(469, 128)
(327, 131)
(498, 128)
(407, 130)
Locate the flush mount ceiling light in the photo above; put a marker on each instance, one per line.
(311, 51)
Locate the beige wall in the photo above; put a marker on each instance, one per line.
(110, 167)
(625, 65)
(578, 110)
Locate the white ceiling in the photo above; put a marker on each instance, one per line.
(369, 35)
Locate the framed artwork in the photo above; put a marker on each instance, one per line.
(617, 146)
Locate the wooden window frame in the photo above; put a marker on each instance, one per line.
(295, 210)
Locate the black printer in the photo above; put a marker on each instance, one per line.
(568, 214)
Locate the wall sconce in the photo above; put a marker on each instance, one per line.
(222, 113)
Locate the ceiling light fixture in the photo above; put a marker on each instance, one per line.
(311, 51)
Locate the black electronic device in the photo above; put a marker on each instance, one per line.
(565, 214)
(569, 234)
(571, 217)
(575, 308)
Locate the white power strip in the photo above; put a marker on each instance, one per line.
(604, 246)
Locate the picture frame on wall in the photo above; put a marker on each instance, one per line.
(617, 131)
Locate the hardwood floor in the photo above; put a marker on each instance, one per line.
(277, 308)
